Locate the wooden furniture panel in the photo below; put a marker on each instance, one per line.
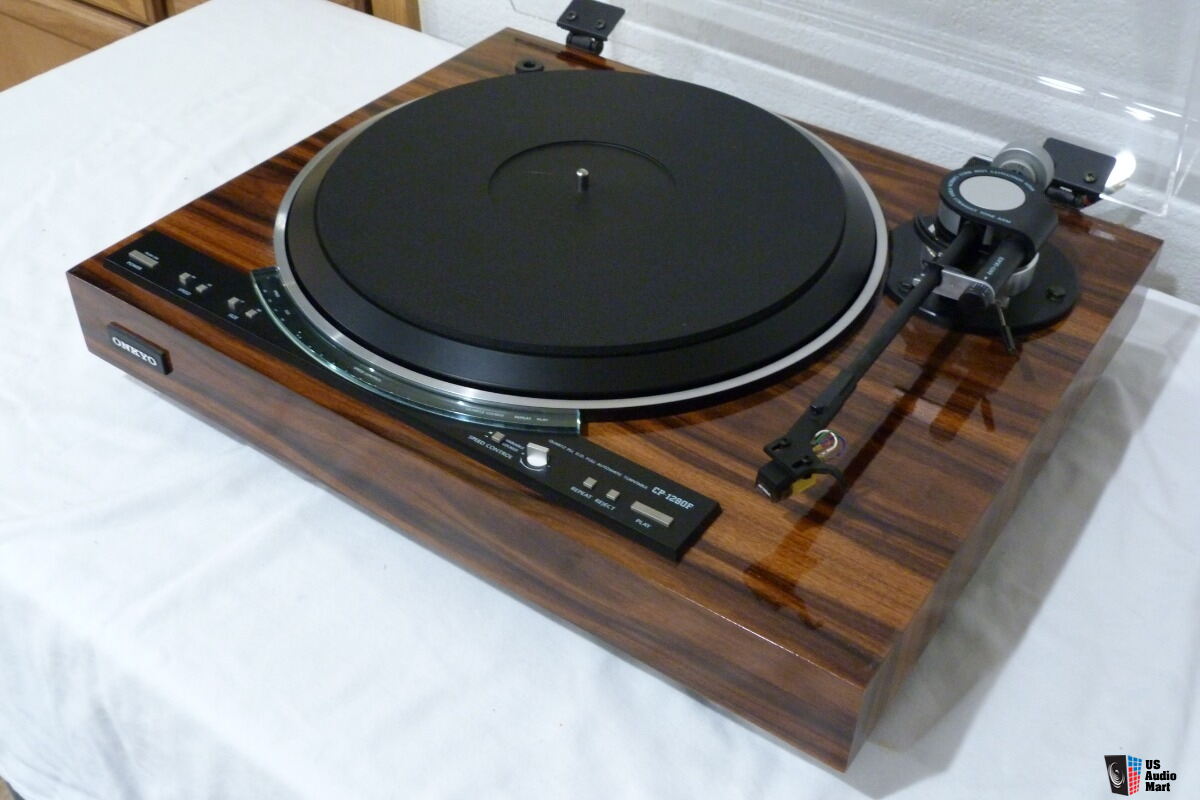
(37, 35)
(402, 12)
(177, 6)
(147, 11)
(29, 51)
(804, 616)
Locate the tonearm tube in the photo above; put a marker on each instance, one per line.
(993, 219)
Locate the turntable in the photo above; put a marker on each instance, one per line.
(543, 314)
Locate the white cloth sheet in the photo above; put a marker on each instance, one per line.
(181, 617)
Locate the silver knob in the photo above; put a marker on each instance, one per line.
(537, 455)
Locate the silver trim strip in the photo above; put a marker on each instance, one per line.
(296, 327)
(453, 390)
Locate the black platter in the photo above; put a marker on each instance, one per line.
(453, 244)
(505, 256)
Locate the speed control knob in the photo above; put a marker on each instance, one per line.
(537, 455)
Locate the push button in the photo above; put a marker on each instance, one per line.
(652, 514)
(144, 259)
(589, 483)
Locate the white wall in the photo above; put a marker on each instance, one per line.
(927, 95)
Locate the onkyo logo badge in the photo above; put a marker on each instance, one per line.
(1129, 774)
(139, 349)
(133, 351)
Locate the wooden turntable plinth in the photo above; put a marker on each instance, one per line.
(804, 616)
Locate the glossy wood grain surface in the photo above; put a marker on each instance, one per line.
(802, 617)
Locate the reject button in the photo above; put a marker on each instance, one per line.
(652, 514)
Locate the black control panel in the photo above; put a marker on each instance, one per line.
(200, 284)
(649, 508)
(643, 505)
